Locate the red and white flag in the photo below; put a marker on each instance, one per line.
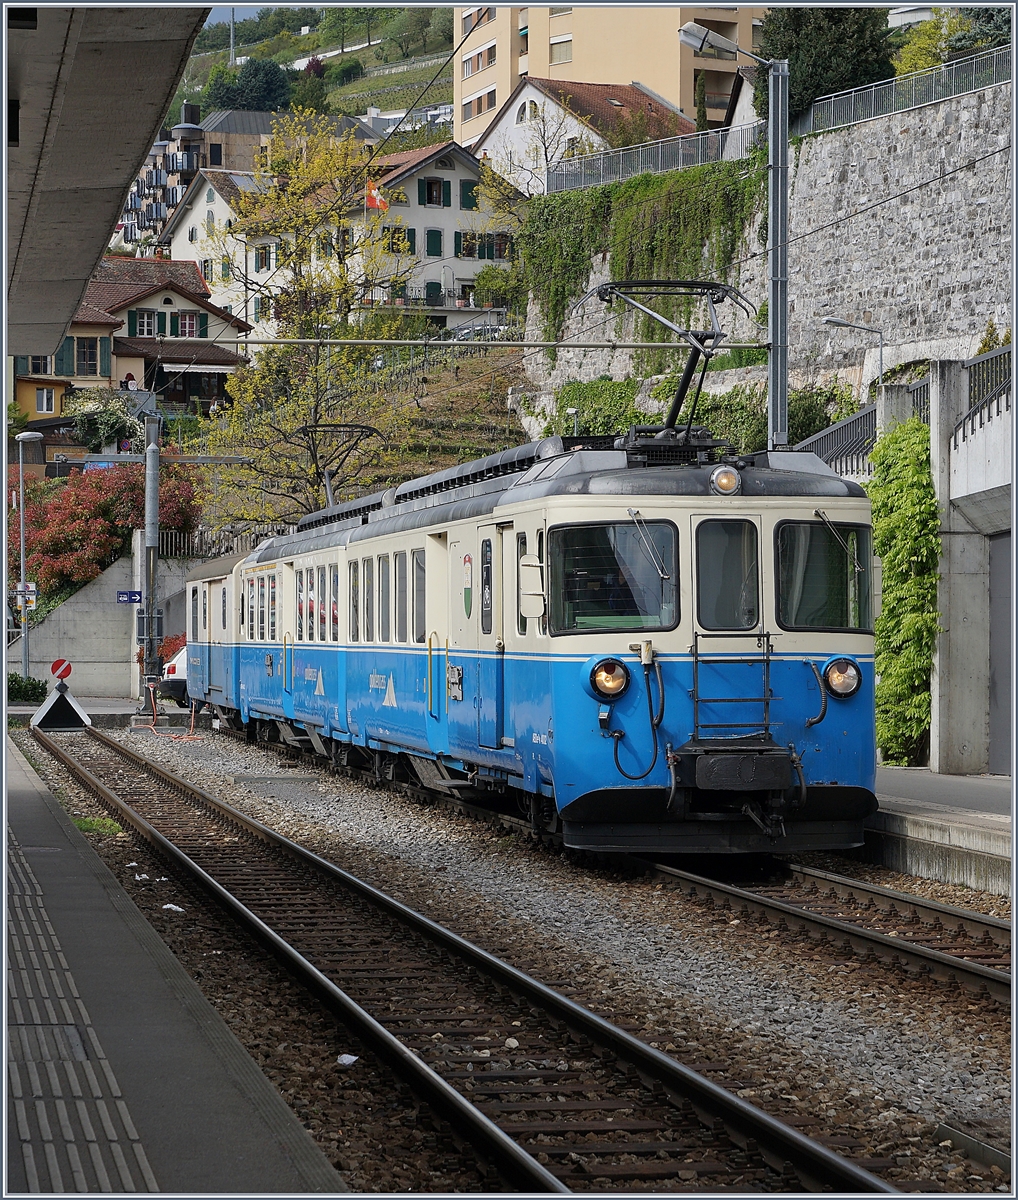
(373, 198)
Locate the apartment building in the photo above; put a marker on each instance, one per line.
(621, 45)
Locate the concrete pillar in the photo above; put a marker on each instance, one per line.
(894, 405)
(960, 689)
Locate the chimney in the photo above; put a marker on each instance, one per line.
(190, 114)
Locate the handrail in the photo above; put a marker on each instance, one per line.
(983, 411)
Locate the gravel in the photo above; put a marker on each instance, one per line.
(840, 1046)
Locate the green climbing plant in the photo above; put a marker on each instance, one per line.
(602, 407)
(906, 536)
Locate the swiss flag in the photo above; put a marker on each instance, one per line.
(374, 198)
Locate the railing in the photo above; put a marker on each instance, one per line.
(846, 445)
(418, 297)
(989, 391)
(669, 154)
(921, 400)
(206, 543)
(905, 92)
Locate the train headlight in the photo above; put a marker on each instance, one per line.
(725, 481)
(610, 678)
(842, 678)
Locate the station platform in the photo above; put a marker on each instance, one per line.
(115, 712)
(952, 828)
(122, 1077)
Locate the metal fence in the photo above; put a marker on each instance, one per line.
(846, 445)
(921, 400)
(208, 543)
(982, 70)
(669, 154)
(989, 392)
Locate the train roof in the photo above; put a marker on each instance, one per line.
(549, 467)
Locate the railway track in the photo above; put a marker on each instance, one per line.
(947, 943)
(515, 1067)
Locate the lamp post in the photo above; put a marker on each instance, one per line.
(697, 37)
(866, 329)
(575, 414)
(21, 439)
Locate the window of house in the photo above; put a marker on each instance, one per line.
(561, 50)
(433, 191)
(192, 233)
(44, 400)
(146, 322)
(40, 364)
(215, 160)
(478, 104)
(468, 194)
(188, 324)
(210, 195)
(225, 266)
(256, 309)
(210, 220)
(261, 258)
(206, 269)
(88, 356)
(477, 60)
(475, 17)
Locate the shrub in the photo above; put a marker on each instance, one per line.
(24, 691)
(603, 407)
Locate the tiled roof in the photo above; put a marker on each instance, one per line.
(116, 281)
(229, 184)
(92, 314)
(406, 159)
(103, 299)
(593, 103)
(177, 350)
(239, 120)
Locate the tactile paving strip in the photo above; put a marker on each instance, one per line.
(74, 1125)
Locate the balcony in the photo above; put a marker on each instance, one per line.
(523, 64)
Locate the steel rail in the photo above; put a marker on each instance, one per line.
(928, 911)
(515, 1163)
(972, 975)
(778, 1144)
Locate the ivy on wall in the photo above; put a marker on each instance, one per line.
(906, 536)
(602, 407)
(678, 225)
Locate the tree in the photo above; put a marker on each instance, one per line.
(701, 101)
(441, 28)
(402, 33)
(310, 93)
(987, 27)
(418, 21)
(221, 89)
(518, 166)
(829, 49)
(101, 416)
(926, 44)
(336, 26)
(262, 86)
(315, 67)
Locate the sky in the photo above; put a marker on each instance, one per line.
(218, 15)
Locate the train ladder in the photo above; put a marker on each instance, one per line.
(735, 729)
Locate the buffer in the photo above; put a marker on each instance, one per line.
(60, 712)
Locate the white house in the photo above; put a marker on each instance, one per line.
(546, 120)
(431, 193)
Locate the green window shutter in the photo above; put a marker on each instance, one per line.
(174, 325)
(132, 322)
(411, 237)
(257, 308)
(64, 361)
(433, 243)
(203, 324)
(21, 364)
(161, 324)
(457, 243)
(468, 193)
(105, 363)
(422, 191)
(225, 268)
(447, 193)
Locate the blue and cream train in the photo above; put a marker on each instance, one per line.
(640, 644)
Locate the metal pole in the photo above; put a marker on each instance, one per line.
(24, 597)
(881, 384)
(233, 55)
(777, 249)
(151, 543)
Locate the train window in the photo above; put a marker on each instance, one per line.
(261, 608)
(486, 586)
(323, 615)
(355, 602)
(612, 577)
(251, 608)
(521, 549)
(727, 583)
(224, 608)
(299, 600)
(205, 608)
(401, 591)
(824, 576)
(334, 604)
(242, 621)
(543, 624)
(420, 614)
(272, 608)
(368, 583)
(383, 598)
(311, 604)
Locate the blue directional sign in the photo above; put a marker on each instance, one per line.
(128, 597)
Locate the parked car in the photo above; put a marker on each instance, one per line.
(173, 685)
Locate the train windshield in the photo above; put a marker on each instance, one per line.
(825, 575)
(613, 577)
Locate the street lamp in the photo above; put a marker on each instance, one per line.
(21, 439)
(575, 414)
(866, 329)
(698, 37)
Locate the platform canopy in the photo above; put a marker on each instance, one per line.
(88, 89)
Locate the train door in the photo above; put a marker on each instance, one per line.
(491, 637)
(436, 587)
(461, 683)
(197, 658)
(216, 622)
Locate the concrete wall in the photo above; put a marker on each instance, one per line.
(981, 474)
(928, 268)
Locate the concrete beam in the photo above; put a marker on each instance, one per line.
(93, 86)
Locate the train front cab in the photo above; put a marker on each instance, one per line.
(211, 641)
